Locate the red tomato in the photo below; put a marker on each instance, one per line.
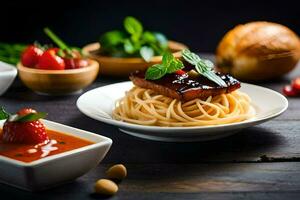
(31, 55)
(289, 91)
(49, 60)
(180, 72)
(296, 84)
(75, 63)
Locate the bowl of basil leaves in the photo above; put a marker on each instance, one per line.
(121, 52)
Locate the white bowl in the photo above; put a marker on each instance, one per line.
(56, 169)
(100, 102)
(8, 74)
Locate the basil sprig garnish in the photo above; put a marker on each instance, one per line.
(28, 118)
(203, 67)
(21, 118)
(169, 65)
(3, 114)
(133, 41)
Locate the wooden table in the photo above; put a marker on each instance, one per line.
(261, 162)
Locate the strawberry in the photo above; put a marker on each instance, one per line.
(25, 111)
(25, 128)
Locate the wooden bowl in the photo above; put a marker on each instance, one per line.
(113, 66)
(58, 82)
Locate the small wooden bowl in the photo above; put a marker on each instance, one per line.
(58, 82)
(124, 66)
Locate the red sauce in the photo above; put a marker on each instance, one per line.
(59, 143)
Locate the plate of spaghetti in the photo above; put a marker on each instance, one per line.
(182, 101)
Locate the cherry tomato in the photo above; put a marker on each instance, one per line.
(75, 63)
(180, 72)
(289, 91)
(296, 84)
(49, 60)
(31, 55)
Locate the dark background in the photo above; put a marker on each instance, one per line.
(199, 24)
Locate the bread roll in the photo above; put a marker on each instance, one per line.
(258, 51)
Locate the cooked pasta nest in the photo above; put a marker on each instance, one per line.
(145, 107)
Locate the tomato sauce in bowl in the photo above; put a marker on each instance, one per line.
(59, 143)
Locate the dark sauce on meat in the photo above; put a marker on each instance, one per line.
(184, 83)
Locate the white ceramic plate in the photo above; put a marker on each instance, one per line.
(99, 103)
(56, 169)
(8, 74)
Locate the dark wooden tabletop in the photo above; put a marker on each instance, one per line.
(260, 162)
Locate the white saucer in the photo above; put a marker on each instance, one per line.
(99, 103)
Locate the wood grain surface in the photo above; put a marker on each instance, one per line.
(260, 162)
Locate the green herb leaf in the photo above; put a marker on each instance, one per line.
(203, 67)
(28, 118)
(133, 27)
(155, 72)
(174, 66)
(162, 40)
(129, 43)
(169, 65)
(3, 114)
(147, 53)
(112, 38)
(149, 37)
(167, 58)
(129, 47)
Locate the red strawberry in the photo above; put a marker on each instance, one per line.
(28, 132)
(25, 111)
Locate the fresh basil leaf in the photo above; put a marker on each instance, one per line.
(129, 47)
(3, 114)
(162, 40)
(147, 53)
(213, 77)
(155, 72)
(29, 117)
(112, 38)
(167, 59)
(174, 66)
(209, 64)
(149, 37)
(133, 27)
(203, 67)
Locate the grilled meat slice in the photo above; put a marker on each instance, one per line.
(183, 87)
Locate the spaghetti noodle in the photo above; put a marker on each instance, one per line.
(145, 107)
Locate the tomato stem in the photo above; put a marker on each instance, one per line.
(57, 40)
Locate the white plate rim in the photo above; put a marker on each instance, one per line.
(122, 124)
